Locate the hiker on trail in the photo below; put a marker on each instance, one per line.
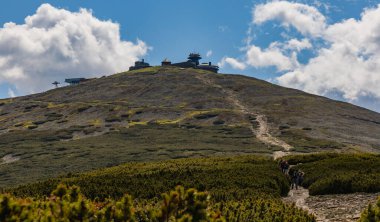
(286, 167)
(300, 178)
(282, 165)
(295, 179)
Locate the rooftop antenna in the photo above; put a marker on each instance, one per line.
(56, 84)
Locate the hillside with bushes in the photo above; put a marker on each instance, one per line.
(332, 173)
(161, 113)
(244, 188)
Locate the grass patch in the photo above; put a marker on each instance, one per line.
(303, 143)
(83, 108)
(150, 142)
(111, 119)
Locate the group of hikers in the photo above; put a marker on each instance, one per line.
(296, 176)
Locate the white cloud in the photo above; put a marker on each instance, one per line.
(346, 64)
(54, 44)
(349, 65)
(271, 56)
(234, 63)
(295, 44)
(306, 19)
(11, 93)
(209, 53)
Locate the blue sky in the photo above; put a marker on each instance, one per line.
(172, 29)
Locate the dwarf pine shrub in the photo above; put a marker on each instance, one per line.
(179, 205)
(372, 213)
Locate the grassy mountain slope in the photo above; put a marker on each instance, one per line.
(164, 113)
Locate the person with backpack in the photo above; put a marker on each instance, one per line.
(286, 167)
(282, 166)
(300, 178)
(294, 179)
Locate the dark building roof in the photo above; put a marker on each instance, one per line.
(194, 57)
(193, 62)
(166, 62)
(209, 67)
(139, 65)
(187, 64)
(74, 81)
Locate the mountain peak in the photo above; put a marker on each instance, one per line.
(171, 112)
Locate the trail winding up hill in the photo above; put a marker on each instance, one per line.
(166, 112)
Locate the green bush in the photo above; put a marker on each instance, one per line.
(261, 209)
(372, 213)
(308, 158)
(333, 173)
(179, 205)
(232, 178)
(68, 204)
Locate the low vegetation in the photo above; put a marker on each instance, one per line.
(226, 179)
(68, 204)
(47, 154)
(372, 213)
(331, 173)
(303, 143)
(245, 188)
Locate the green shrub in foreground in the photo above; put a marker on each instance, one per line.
(68, 204)
(372, 213)
(232, 178)
(179, 205)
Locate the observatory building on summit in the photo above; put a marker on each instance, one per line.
(139, 65)
(192, 62)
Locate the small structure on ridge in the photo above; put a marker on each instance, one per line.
(56, 84)
(139, 65)
(166, 62)
(75, 81)
(193, 62)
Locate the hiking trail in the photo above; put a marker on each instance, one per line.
(262, 132)
(329, 208)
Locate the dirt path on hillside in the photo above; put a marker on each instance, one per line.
(262, 132)
(329, 208)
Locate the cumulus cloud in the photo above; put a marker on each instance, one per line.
(306, 19)
(271, 56)
(350, 64)
(54, 44)
(298, 45)
(346, 59)
(234, 63)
